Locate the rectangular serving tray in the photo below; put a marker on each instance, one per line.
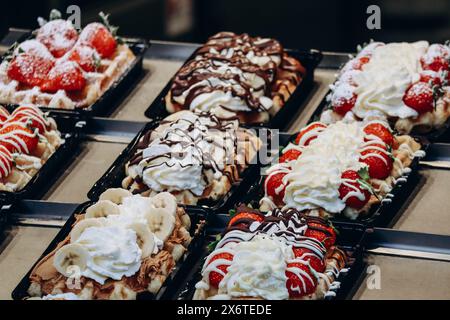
(71, 129)
(381, 215)
(351, 240)
(118, 90)
(171, 283)
(116, 173)
(309, 59)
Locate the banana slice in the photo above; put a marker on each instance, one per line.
(115, 195)
(70, 255)
(160, 223)
(166, 201)
(83, 225)
(145, 239)
(102, 209)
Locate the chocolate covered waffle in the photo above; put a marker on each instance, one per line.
(403, 83)
(236, 75)
(119, 247)
(274, 256)
(194, 156)
(341, 168)
(61, 68)
(28, 138)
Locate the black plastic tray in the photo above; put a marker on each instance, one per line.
(381, 215)
(110, 99)
(71, 129)
(310, 60)
(116, 173)
(181, 268)
(351, 240)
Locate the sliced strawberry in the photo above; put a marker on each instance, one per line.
(251, 216)
(353, 189)
(379, 130)
(67, 76)
(378, 159)
(343, 99)
(6, 162)
(4, 114)
(275, 187)
(309, 133)
(31, 116)
(29, 69)
(290, 155)
(86, 57)
(308, 255)
(98, 36)
(59, 36)
(215, 277)
(419, 97)
(18, 138)
(300, 280)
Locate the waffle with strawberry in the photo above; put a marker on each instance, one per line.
(280, 255)
(28, 138)
(341, 168)
(406, 84)
(63, 68)
(231, 74)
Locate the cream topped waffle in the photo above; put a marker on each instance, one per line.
(123, 245)
(28, 138)
(61, 68)
(194, 156)
(236, 75)
(341, 168)
(403, 83)
(275, 256)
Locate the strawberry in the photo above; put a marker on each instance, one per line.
(378, 158)
(431, 77)
(31, 116)
(59, 36)
(86, 57)
(419, 97)
(34, 48)
(18, 138)
(275, 187)
(322, 233)
(245, 216)
(290, 155)
(300, 280)
(309, 133)
(436, 58)
(354, 189)
(308, 255)
(379, 130)
(29, 69)
(6, 161)
(64, 76)
(215, 277)
(98, 36)
(343, 99)
(4, 114)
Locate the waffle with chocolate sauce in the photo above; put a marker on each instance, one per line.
(250, 77)
(275, 256)
(121, 246)
(193, 155)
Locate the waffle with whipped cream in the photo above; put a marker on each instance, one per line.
(61, 68)
(406, 84)
(121, 246)
(28, 138)
(275, 256)
(250, 77)
(193, 155)
(341, 168)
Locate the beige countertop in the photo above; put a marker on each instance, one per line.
(401, 277)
